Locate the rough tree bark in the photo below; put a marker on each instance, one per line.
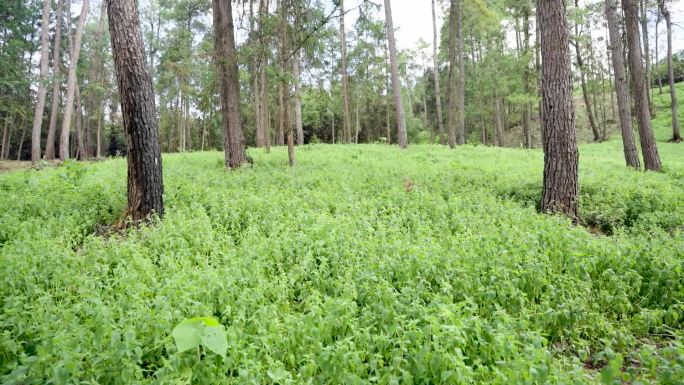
(228, 80)
(561, 157)
(394, 71)
(56, 84)
(145, 186)
(71, 83)
(621, 86)
(676, 136)
(435, 73)
(649, 148)
(345, 81)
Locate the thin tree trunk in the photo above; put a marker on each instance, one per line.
(583, 80)
(647, 53)
(345, 82)
(56, 84)
(676, 137)
(228, 80)
(3, 145)
(435, 59)
(460, 132)
(621, 87)
(80, 140)
(561, 157)
(145, 185)
(100, 116)
(527, 136)
(93, 104)
(298, 99)
(498, 123)
(452, 86)
(394, 71)
(42, 80)
(657, 55)
(21, 141)
(71, 83)
(358, 121)
(649, 148)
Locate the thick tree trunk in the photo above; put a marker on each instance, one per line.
(298, 99)
(561, 157)
(435, 60)
(649, 148)
(676, 137)
(42, 80)
(71, 83)
(452, 86)
(228, 80)
(145, 186)
(396, 83)
(56, 84)
(621, 87)
(345, 82)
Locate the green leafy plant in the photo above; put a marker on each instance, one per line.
(201, 331)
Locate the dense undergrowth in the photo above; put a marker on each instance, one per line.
(364, 264)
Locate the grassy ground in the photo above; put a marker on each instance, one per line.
(364, 264)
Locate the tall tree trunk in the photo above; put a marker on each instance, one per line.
(647, 53)
(657, 54)
(265, 110)
(228, 80)
(71, 83)
(676, 137)
(298, 99)
(621, 87)
(56, 84)
(583, 80)
(526, 77)
(460, 132)
(561, 157)
(42, 80)
(452, 86)
(435, 60)
(4, 145)
(345, 82)
(649, 148)
(394, 71)
(499, 136)
(93, 103)
(358, 119)
(80, 139)
(145, 185)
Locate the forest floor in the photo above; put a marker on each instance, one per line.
(363, 264)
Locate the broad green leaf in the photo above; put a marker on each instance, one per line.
(214, 338)
(188, 334)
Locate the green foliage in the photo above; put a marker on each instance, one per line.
(365, 264)
(204, 331)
